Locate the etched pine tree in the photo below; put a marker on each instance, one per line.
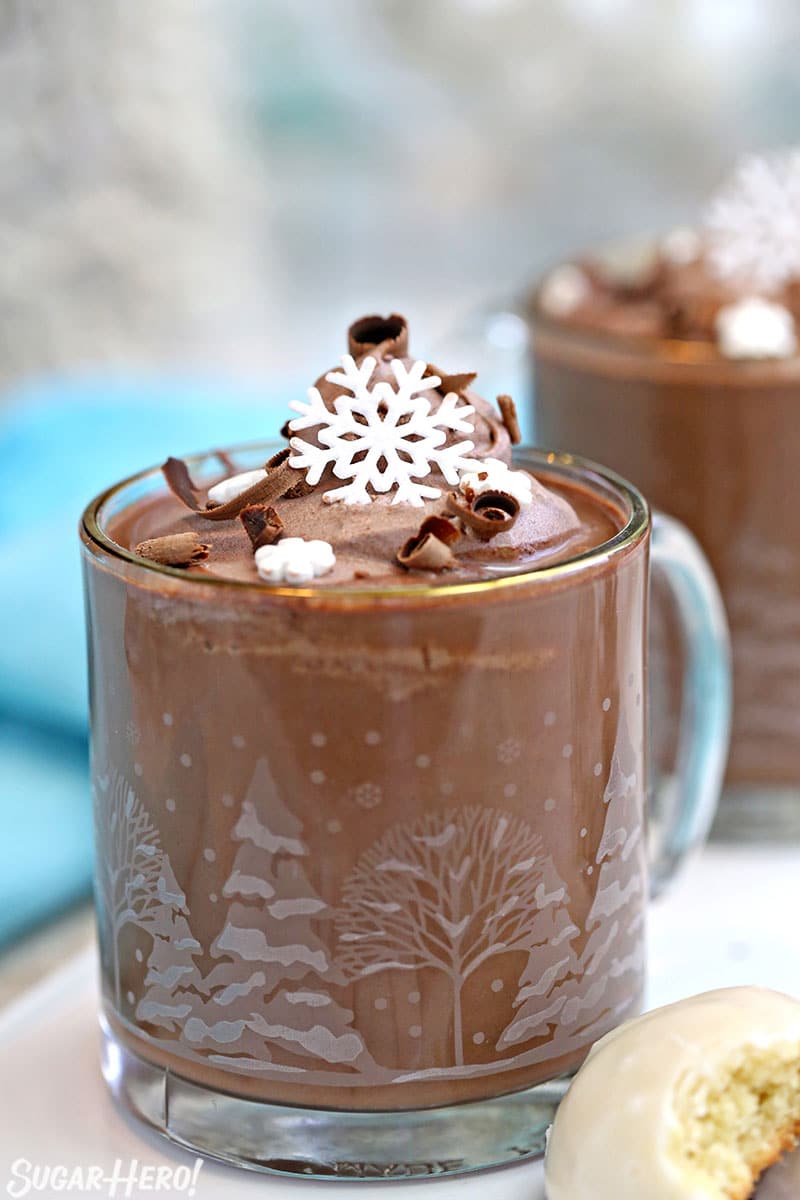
(450, 892)
(268, 945)
(133, 879)
(172, 977)
(604, 988)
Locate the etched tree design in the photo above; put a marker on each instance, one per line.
(269, 941)
(172, 977)
(589, 999)
(449, 892)
(133, 879)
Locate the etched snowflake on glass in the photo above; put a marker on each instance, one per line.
(753, 223)
(380, 437)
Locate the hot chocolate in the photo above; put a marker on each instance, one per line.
(678, 366)
(368, 761)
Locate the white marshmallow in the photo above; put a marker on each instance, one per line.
(564, 289)
(493, 475)
(229, 489)
(294, 560)
(756, 328)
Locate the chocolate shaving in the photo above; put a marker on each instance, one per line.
(442, 528)
(174, 550)
(426, 554)
(278, 458)
(286, 430)
(227, 462)
(179, 482)
(273, 486)
(279, 481)
(486, 514)
(453, 383)
(508, 411)
(262, 523)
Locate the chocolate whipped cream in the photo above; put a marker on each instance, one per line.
(368, 539)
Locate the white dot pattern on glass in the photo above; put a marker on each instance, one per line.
(334, 826)
(381, 1003)
(549, 804)
(227, 800)
(497, 985)
(186, 760)
(129, 996)
(138, 769)
(479, 1038)
(213, 897)
(414, 997)
(566, 751)
(590, 870)
(210, 855)
(550, 718)
(598, 768)
(372, 737)
(139, 956)
(415, 1031)
(446, 788)
(166, 718)
(423, 760)
(317, 777)
(319, 740)
(607, 704)
(238, 741)
(509, 790)
(170, 804)
(584, 832)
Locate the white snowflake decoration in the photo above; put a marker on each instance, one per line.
(294, 560)
(493, 475)
(380, 437)
(753, 224)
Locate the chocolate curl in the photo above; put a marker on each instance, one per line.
(508, 411)
(174, 550)
(428, 554)
(368, 333)
(227, 462)
(274, 486)
(262, 523)
(486, 514)
(301, 488)
(179, 482)
(429, 548)
(453, 383)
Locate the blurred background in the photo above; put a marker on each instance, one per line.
(197, 196)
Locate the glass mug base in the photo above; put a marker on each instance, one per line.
(329, 1144)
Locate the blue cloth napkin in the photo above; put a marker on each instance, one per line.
(61, 442)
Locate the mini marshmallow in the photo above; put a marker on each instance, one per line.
(682, 246)
(294, 560)
(564, 290)
(229, 489)
(492, 475)
(755, 328)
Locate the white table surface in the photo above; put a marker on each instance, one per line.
(731, 919)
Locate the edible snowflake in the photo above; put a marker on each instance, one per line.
(753, 224)
(380, 437)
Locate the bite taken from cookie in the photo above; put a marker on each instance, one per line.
(689, 1102)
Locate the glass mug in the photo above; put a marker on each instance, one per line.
(371, 866)
(715, 443)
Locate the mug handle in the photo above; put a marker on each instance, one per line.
(683, 805)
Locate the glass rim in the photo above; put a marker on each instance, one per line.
(635, 528)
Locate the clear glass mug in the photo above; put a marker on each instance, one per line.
(371, 867)
(715, 443)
